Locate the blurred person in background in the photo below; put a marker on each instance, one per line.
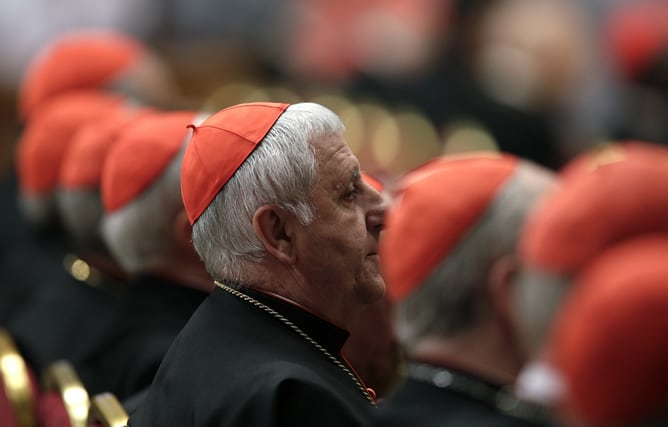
(448, 259)
(605, 198)
(78, 195)
(545, 57)
(373, 349)
(529, 74)
(34, 252)
(146, 228)
(100, 59)
(289, 229)
(79, 310)
(73, 295)
(80, 66)
(72, 71)
(91, 64)
(607, 350)
(636, 42)
(333, 42)
(454, 86)
(20, 44)
(43, 145)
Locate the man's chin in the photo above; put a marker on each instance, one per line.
(371, 290)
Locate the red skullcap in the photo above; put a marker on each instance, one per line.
(141, 155)
(592, 211)
(45, 141)
(80, 60)
(637, 34)
(82, 166)
(218, 148)
(610, 342)
(437, 205)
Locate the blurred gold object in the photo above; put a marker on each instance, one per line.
(350, 115)
(352, 118)
(80, 270)
(16, 381)
(271, 94)
(385, 141)
(419, 140)
(334, 101)
(107, 410)
(228, 95)
(61, 377)
(85, 273)
(380, 138)
(464, 137)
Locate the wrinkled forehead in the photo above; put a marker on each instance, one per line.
(336, 161)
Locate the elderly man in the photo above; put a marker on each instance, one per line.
(450, 272)
(146, 228)
(288, 228)
(33, 250)
(624, 189)
(94, 60)
(624, 186)
(85, 306)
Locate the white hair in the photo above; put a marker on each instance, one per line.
(140, 234)
(81, 213)
(454, 296)
(39, 209)
(282, 171)
(538, 296)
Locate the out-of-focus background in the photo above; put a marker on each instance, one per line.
(544, 79)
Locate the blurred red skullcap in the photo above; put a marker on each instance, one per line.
(610, 342)
(637, 33)
(82, 166)
(592, 211)
(436, 206)
(76, 61)
(595, 158)
(43, 145)
(141, 155)
(218, 148)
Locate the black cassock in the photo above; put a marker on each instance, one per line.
(438, 396)
(235, 364)
(129, 352)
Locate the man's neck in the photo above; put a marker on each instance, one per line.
(480, 352)
(290, 286)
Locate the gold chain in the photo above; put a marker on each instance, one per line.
(301, 333)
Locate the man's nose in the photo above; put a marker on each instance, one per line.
(378, 206)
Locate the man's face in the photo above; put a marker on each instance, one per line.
(338, 251)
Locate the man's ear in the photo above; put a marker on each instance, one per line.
(273, 227)
(501, 287)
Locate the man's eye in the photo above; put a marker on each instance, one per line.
(350, 195)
